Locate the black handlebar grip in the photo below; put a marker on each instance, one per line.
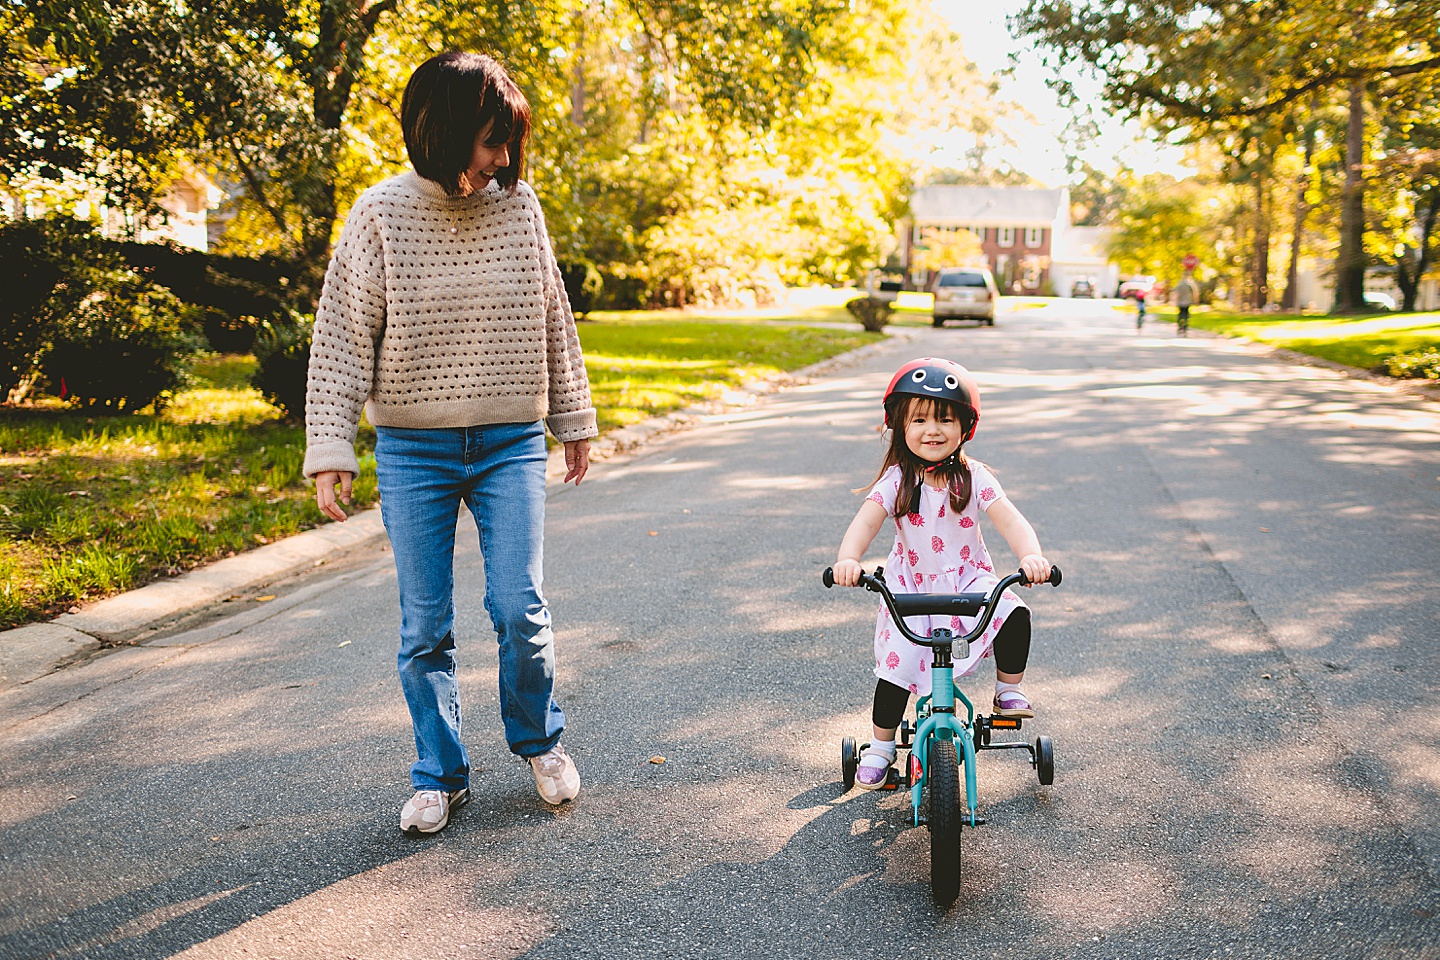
(1054, 580)
(828, 576)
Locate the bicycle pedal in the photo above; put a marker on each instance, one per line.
(892, 779)
(1004, 723)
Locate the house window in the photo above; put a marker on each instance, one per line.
(917, 234)
(1033, 236)
(1007, 236)
(979, 233)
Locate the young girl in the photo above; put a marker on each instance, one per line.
(934, 495)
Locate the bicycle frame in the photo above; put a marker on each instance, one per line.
(935, 715)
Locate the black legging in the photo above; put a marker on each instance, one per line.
(1012, 652)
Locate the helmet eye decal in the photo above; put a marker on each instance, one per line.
(952, 382)
(918, 376)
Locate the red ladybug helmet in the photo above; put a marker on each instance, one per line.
(937, 379)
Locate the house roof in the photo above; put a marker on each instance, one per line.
(989, 206)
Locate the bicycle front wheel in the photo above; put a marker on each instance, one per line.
(945, 819)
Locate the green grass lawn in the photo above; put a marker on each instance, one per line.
(1365, 341)
(92, 505)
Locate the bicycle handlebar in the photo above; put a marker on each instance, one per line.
(940, 604)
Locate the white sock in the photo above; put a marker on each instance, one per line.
(1005, 687)
(886, 747)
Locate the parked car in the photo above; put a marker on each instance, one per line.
(1084, 287)
(1379, 301)
(965, 292)
(1131, 289)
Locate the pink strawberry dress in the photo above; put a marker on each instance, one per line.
(936, 551)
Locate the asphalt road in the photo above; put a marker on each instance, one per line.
(1239, 673)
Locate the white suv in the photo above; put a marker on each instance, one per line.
(965, 292)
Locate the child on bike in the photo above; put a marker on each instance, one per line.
(934, 495)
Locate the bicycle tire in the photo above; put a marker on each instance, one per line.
(945, 820)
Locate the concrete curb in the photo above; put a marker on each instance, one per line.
(32, 651)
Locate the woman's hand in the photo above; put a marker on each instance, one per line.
(1036, 567)
(325, 484)
(847, 572)
(577, 460)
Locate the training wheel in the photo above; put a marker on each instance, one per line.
(849, 761)
(1044, 760)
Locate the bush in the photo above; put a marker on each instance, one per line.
(282, 350)
(873, 314)
(50, 267)
(583, 284)
(1420, 365)
(126, 347)
(227, 334)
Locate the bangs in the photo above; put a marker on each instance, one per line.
(507, 113)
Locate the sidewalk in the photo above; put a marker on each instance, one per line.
(35, 650)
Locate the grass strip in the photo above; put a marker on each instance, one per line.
(94, 505)
(1365, 342)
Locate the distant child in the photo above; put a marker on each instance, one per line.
(934, 495)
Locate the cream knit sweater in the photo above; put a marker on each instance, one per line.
(442, 312)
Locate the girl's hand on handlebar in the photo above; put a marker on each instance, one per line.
(847, 572)
(1035, 567)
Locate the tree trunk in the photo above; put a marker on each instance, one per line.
(1261, 249)
(1350, 262)
(337, 59)
(1291, 298)
(1409, 283)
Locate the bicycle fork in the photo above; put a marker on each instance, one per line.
(941, 723)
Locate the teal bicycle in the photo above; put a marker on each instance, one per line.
(940, 742)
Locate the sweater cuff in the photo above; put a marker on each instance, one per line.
(577, 425)
(335, 455)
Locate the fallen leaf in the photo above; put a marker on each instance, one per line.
(71, 797)
(260, 539)
(1264, 529)
(344, 643)
(268, 596)
(654, 533)
(657, 759)
(1264, 676)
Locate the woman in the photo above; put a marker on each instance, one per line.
(444, 317)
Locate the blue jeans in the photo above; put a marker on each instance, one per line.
(498, 471)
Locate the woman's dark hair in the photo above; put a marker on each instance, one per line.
(452, 97)
(954, 472)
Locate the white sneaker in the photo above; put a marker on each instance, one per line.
(429, 810)
(555, 775)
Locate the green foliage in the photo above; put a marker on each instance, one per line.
(126, 347)
(283, 353)
(1160, 222)
(51, 266)
(1420, 365)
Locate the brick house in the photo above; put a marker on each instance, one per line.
(1024, 236)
